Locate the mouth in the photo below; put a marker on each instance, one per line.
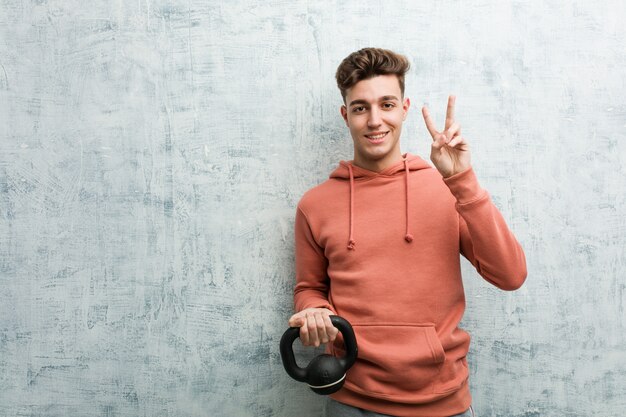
(376, 137)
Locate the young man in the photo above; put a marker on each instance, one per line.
(378, 243)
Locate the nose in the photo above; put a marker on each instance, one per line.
(374, 119)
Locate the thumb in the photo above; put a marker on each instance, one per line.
(439, 140)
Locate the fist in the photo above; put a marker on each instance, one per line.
(315, 326)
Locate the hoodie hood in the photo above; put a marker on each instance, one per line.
(347, 171)
(413, 162)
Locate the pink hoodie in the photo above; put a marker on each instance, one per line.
(382, 251)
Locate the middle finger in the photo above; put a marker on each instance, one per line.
(450, 111)
(321, 328)
(312, 327)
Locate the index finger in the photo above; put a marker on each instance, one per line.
(450, 111)
(430, 125)
(295, 321)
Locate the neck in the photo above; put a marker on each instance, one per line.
(377, 165)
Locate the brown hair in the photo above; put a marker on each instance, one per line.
(368, 63)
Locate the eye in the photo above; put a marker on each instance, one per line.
(358, 109)
(389, 105)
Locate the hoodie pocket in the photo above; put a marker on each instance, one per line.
(396, 361)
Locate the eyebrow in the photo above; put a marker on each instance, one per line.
(383, 98)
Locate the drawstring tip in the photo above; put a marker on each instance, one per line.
(351, 244)
(408, 237)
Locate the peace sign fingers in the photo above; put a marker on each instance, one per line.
(430, 125)
(450, 111)
(449, 151)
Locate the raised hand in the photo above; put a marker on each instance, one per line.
(449, 151)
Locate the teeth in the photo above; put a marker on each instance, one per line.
(377, 136)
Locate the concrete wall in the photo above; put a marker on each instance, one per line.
(152, 154)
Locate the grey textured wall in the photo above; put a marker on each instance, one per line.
(152, 154)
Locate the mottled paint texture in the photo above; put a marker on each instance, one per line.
(152, 154)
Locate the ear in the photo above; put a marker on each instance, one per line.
(405, 107)
(344, 114)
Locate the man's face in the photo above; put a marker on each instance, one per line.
(374, 113)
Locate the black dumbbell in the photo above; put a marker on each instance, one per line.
(326, 373)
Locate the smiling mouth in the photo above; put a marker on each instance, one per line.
(377, 138)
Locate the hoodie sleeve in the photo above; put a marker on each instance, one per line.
(312, 282)
(486, 240)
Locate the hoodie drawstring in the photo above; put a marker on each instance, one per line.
(408, 237)
(351, 241)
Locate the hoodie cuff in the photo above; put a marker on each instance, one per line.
(465, 187)
(314, 303)
(325, 305)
